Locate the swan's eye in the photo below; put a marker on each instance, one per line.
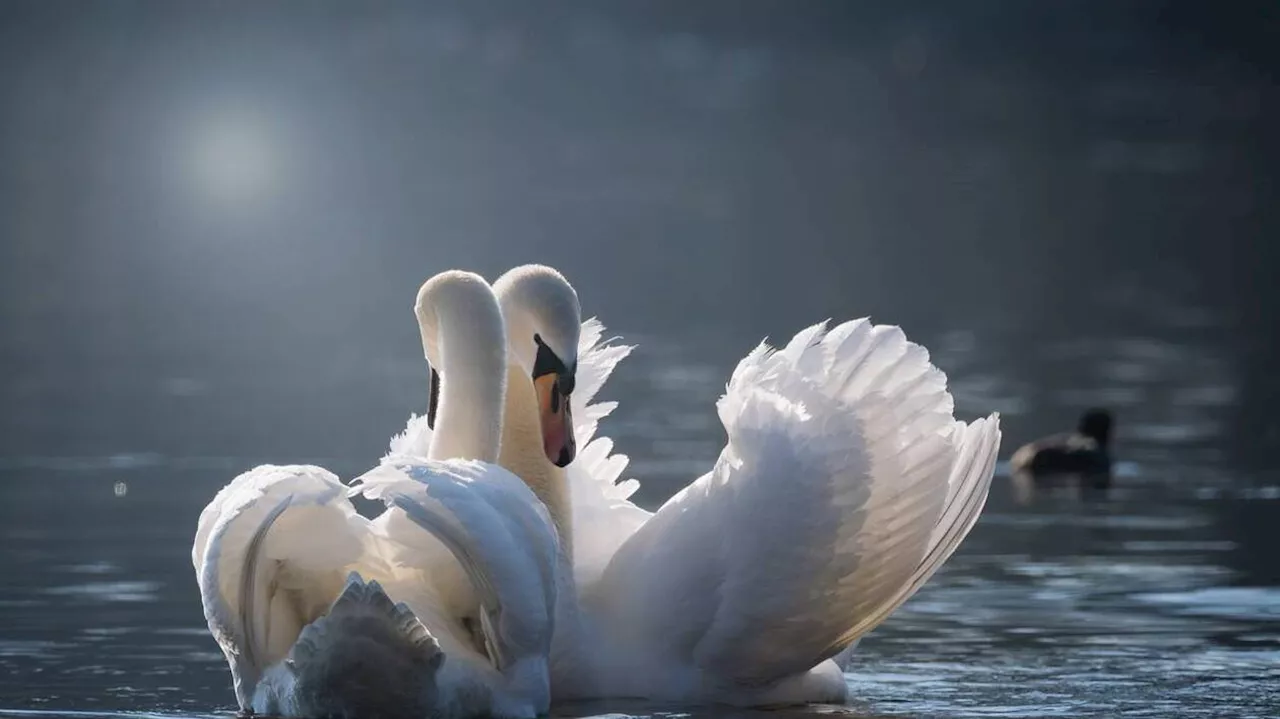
(547, 362)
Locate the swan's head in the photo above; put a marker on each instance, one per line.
(543, 321)
(461, 304)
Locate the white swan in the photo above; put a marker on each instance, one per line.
(845, 483)
(442, 606)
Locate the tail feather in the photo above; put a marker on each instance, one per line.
(369, 656)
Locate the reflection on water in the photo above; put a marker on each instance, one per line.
(1153, 599)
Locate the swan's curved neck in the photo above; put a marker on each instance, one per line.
(462, 331)
(523, 454)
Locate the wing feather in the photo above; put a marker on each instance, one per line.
(493, 526)
(603, 514)
(414, 441)
(844, 484)
(271, 551)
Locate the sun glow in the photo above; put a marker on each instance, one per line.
(235, 160)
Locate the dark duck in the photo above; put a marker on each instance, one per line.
(1084, 452)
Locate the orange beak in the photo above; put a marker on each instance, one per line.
(557, 420)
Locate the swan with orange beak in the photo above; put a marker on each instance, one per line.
(541, 312)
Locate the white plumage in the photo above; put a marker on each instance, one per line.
(442, 606)
(845, 483)
(321, 611)
(272, 552)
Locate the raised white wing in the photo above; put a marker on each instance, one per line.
(272, 552)
(845, 483)
(603, 514)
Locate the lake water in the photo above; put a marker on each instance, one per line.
(1160, 598)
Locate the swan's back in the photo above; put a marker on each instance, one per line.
(506, 546)
(281, 555)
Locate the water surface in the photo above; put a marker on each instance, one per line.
(1159, 598)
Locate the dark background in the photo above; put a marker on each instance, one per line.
(258, 188)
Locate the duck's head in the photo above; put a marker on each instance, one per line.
(1096, 424)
